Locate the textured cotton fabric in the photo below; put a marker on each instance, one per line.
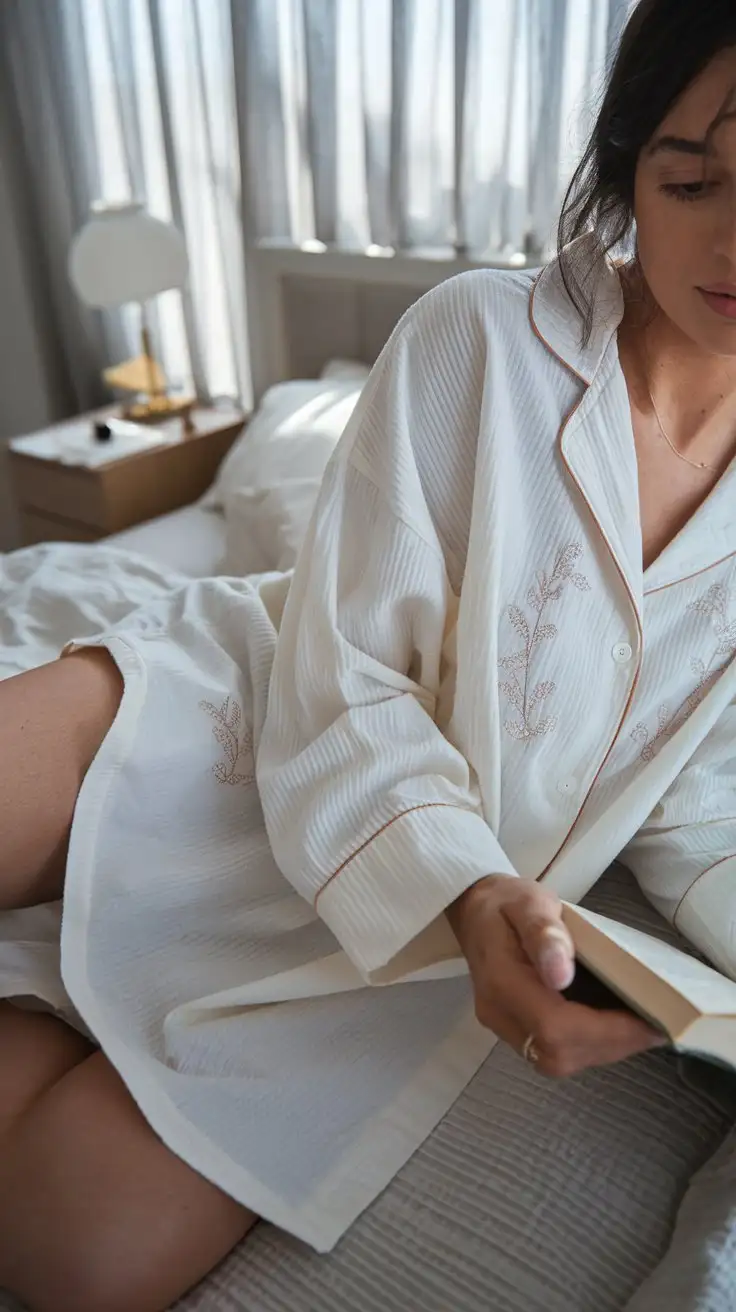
(472, 593)
(472, 674)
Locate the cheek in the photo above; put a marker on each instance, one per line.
(669, 238)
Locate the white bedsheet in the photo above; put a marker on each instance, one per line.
(191, 540)
(52, 593)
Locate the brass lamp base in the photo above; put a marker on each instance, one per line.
(156, 409)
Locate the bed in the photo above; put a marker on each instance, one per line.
(500, 1210)
(191, 540)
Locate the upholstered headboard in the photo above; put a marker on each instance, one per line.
(307, 307)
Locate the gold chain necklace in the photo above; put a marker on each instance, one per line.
(694, 464)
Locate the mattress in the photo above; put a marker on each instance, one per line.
(191, 540)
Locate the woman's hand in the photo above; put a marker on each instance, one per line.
(520, 957)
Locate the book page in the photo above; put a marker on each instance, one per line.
(700, 985)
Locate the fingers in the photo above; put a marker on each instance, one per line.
(572, 1038)
(521, 957)
(536, 917)
(569, 1037)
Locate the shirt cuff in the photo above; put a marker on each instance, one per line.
(385, 906)
(707, 914)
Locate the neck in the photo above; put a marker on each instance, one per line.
(693, 390)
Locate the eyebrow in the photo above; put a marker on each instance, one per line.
(679, 146)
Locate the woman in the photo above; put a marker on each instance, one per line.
(507, 651)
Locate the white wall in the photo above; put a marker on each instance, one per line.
(26, 401)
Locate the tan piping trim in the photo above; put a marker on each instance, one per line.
(686, 577)
(543, 340)
(702, 875)
(424, 806)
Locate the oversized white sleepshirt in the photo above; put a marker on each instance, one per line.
(472, 675)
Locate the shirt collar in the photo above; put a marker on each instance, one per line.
(555, 319)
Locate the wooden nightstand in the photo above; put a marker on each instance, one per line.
(73, 502)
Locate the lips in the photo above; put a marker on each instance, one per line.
(721, 298)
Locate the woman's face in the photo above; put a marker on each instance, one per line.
(685, 210)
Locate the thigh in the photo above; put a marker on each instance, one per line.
(96, 1215)
(36, 1050)
(52, 722)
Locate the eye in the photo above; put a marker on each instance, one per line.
(688, 190)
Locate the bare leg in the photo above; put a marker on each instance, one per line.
(52, 721)
(36, 1050)
(96, 1215)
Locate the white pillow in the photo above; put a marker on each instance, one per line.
(292, 435)
(264, 529)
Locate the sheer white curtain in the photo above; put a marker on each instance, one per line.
(372, 124)
(411, 123)
(163, 114)
(122, 99)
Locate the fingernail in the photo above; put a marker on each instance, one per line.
(555, 959)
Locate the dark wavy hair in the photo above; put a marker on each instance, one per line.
(664, 46)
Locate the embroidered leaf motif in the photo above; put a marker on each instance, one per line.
(518, 620)
(516, 730)
(541, 691)
(713, 602)
(545, 633)
(714, 605)
(516, 661)
(546, 726)
(225, 738)
(515, 694)
(524, 697)
(227, 720)
(567, 558)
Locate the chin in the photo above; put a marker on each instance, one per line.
(708, 332)
(716, 341)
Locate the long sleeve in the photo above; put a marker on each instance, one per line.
(685, 856)
(373, 815)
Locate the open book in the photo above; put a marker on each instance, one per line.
(691, 1002)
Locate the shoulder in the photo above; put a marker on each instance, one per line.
(480, 302)
(481, 329)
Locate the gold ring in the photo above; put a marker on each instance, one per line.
(529, 1051)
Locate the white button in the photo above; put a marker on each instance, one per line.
(567, 786)
(622, 653)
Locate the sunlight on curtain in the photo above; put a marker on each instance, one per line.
(455, 123)
(165, 126)
(370, 124)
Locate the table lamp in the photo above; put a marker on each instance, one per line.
(123, 254)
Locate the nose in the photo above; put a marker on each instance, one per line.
(724, 228)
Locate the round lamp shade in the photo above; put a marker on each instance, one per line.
(123, 254)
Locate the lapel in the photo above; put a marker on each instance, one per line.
(708, 538)
(597, 440)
